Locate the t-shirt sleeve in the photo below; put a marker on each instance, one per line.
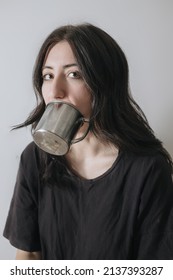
(21, 227)
(154, 238)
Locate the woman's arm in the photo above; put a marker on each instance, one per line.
(154, 227)
(24, 255)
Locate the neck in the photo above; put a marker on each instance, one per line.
(91, 146)
(90, 157)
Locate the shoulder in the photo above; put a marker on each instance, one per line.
(30, 149)
(146, 168)
(156, 160)
(154, 174)
(31, 157)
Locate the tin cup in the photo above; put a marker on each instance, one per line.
(57, 128)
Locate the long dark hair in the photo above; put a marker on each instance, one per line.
(116, 117)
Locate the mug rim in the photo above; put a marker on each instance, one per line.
(66, 103)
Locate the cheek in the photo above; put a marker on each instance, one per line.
(44, 92)
(87, 105)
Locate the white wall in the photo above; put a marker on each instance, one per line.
(143, 28)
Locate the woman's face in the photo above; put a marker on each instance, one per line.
(62, 79)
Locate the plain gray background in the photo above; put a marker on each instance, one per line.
(143, 28)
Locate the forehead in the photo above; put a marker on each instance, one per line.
(60, 52)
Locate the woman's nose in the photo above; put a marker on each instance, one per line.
(58, 89)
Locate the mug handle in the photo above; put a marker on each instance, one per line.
(73, 141)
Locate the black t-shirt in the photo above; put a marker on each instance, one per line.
(127, 213)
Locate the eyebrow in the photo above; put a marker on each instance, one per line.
(70, 65)
(64, 67)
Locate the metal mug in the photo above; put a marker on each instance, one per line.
(57, 128)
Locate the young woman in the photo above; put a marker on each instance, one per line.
(111, 195)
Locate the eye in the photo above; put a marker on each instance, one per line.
(75, 75)
(47, 77)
